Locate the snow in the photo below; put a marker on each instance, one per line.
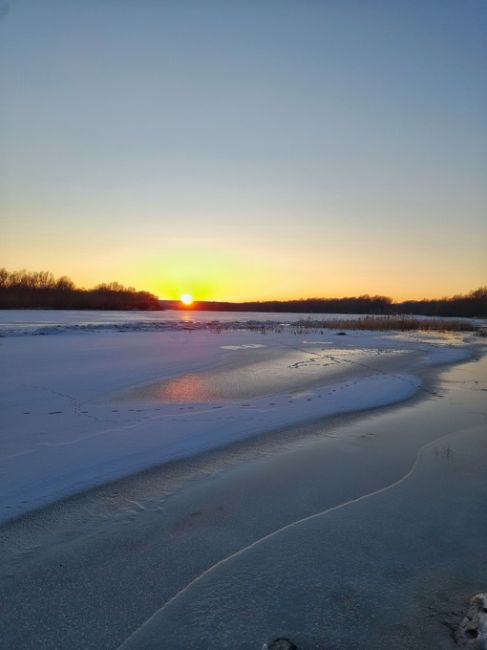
(77, 411)
(28, 322)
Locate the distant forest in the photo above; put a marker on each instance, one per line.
(473, 304)
(41, 290)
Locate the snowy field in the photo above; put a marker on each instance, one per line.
(84, 408)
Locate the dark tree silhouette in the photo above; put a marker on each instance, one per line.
(472, 305)
(41, 290)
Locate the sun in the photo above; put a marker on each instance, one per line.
(186, 299)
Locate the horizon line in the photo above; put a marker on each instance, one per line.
(323, 298)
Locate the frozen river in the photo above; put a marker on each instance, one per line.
(188, 483)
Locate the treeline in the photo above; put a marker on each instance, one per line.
(359, 305)
(41, 290)
(471, 305)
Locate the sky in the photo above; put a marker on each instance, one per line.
(246, 149)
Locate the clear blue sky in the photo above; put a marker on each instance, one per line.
(246, 149)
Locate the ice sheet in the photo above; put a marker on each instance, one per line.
(392, 568)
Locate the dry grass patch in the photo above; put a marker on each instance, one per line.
(398, 323)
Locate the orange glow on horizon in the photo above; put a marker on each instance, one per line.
(187, 274)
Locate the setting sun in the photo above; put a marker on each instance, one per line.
(187, 300)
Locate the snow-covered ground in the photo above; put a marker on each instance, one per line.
(21, 322)
(39, 322)
(79, 410)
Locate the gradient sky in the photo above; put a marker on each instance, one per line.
(246, 149)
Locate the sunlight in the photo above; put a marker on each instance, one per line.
(187, 300)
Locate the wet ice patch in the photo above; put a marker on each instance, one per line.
(270, 372)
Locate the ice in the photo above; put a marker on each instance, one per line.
(78, 411)
(114, 556)
(391, 568)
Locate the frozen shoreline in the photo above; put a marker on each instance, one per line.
(81, 411)
(396, 556)
(110, 558)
